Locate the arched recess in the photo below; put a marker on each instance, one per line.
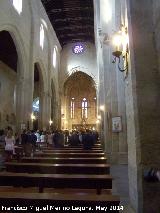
(9, 75)
(79, 105)
(19, 45)
(20, 69)
(38, 97)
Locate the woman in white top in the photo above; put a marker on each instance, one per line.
(9, 145)
(43, 138)
(38, 139)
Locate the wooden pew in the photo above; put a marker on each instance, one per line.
(73, 181)
(69, 147)
(80, 145)
(69, 155)
(71, 150)
(44, 168)
(98, 160)
(50, 202)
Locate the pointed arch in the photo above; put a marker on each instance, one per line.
(20, 48)
(78, 105)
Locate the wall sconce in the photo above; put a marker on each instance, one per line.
(101, 107)
(33, 117)
(120, 41)
(99, 117)
(50, 122)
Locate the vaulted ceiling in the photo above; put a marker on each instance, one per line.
(72, 20)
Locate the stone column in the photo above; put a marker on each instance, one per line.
(49, 108)
(24, 96)
(143, 114)
(29, 88)
(44, 110)
(58, 114)
(20, 103)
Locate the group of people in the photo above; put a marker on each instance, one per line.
(86, 137)
(31, 140)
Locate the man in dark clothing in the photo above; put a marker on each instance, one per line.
(56, 139)
(24, 140)
(74, 139)
(95, 136)
(33, 139)
(24, 137)
(88, 141)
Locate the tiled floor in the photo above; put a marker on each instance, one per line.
(120, 184)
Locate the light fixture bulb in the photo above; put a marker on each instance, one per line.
(102, 107)
(117, 40)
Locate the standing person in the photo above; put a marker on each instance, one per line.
(17, 139)
(61, 139)
(74, 140)
(38, 139)
(88, 141)
(24, 140)
(9, 145)
(80, 137)
(28, 145)
(56, 139)
(2, 138)
(43, 138)
(33, 139)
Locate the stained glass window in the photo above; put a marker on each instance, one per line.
(78, 48)
(72, 108)
(35, 105)
(41, 36)
(84, 108)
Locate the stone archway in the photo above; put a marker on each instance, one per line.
(38, 97)
(19, 91)
(79, 107)
(8, 80)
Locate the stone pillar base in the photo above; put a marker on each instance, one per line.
(117, 157)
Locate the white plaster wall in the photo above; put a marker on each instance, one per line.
(85, 62)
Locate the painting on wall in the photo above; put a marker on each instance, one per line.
(117, 124)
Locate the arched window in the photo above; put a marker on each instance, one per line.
(17, 5)
(72, 107)
(35, 105)
(95, 105)
(54, 57)
(84, 108)
(41, 36)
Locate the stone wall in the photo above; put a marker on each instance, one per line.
(24, 28)
(145, 91)
(8, 79)
(78, 87)
(111, 89)
(85, 62)
(71, 63)
(134, 96)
